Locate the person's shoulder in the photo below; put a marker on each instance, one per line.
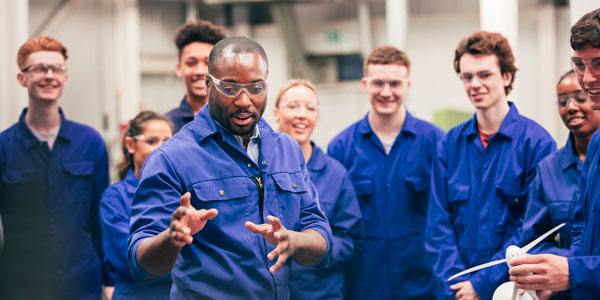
(82, 132)
(534, 129)
(458, 130)
(347, 134)
(114, 191)
(334, 166)
(9, 132)
(427, 128)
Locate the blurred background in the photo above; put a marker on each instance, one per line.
(122, 57)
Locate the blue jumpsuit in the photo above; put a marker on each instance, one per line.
(49, 206)
(226, 260)
(392, 194)
(478, 199)
(338, 202)
(181, 115)
(552, 199)
(584, 265)
(115, 211)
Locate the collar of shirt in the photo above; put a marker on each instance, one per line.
(211, 127)
(409, 126)
(568, 156)
(507, 129)
(185, 110)
(66, 132)
(131, 181)
(317, 159)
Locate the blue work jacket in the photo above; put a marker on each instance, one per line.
(226, 260)
(478, 199)
(181, 115)
(392, 193)
(49, 206)
(584, 264)
(339, 203)
(115, 211)
(552, 200)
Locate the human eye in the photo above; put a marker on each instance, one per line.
(562, 100)
(596, 64)
(311, 107)
(378, 83)
(229, 88)
(42, 69)
(581, 97)
(484, 74)
(578, 64)
(152, 141)
(466, 76)
(257, 88)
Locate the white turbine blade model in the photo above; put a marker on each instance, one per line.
(483, 266)
(541, 238)
(512, 252)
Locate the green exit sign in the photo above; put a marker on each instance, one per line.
(333, 36)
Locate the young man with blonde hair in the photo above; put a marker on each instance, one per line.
(388, 156)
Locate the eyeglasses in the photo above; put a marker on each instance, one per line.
(481, 76)
(379, 84)
(296, 107)
(579, 65)
(150, 140)
(233, 89)
(42, 69)
(579, 97)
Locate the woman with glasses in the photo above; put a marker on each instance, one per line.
(296, 111)
(146, 132)
(556, 185)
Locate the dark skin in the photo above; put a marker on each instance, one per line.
(239, 114)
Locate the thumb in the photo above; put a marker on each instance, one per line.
(185, 200)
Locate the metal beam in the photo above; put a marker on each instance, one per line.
(285, 17)
(54, 18)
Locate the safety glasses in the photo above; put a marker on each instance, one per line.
(233, 89)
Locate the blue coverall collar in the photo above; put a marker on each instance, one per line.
(409, 126)
(568, 156)
(317, 159)
(65, 132)
(507, 129)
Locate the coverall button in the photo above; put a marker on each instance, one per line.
(222, 192)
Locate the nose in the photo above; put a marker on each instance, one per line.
(475, 81)
(588, 76)
(201, 69)
(571, 106)
(243, 99)
(387, 90)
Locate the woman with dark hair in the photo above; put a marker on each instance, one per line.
(146, 132)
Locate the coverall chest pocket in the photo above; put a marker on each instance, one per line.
(560, 210)
(79, 185)
(513, 195)
(458, 206)
(419, 186)
(363, 187)
(20, 186)
(230, 196)
(291, 187)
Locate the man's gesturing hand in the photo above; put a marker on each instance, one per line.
(187, 221)
(276, 235)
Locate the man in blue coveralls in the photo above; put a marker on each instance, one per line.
(388, 156)
(194, 40)
(235, 173)
(482, 173)
(53, 172)
(580, 271)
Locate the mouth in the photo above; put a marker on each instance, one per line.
(242, 119)
(300, 126)
(575, 121)
(593, 92)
